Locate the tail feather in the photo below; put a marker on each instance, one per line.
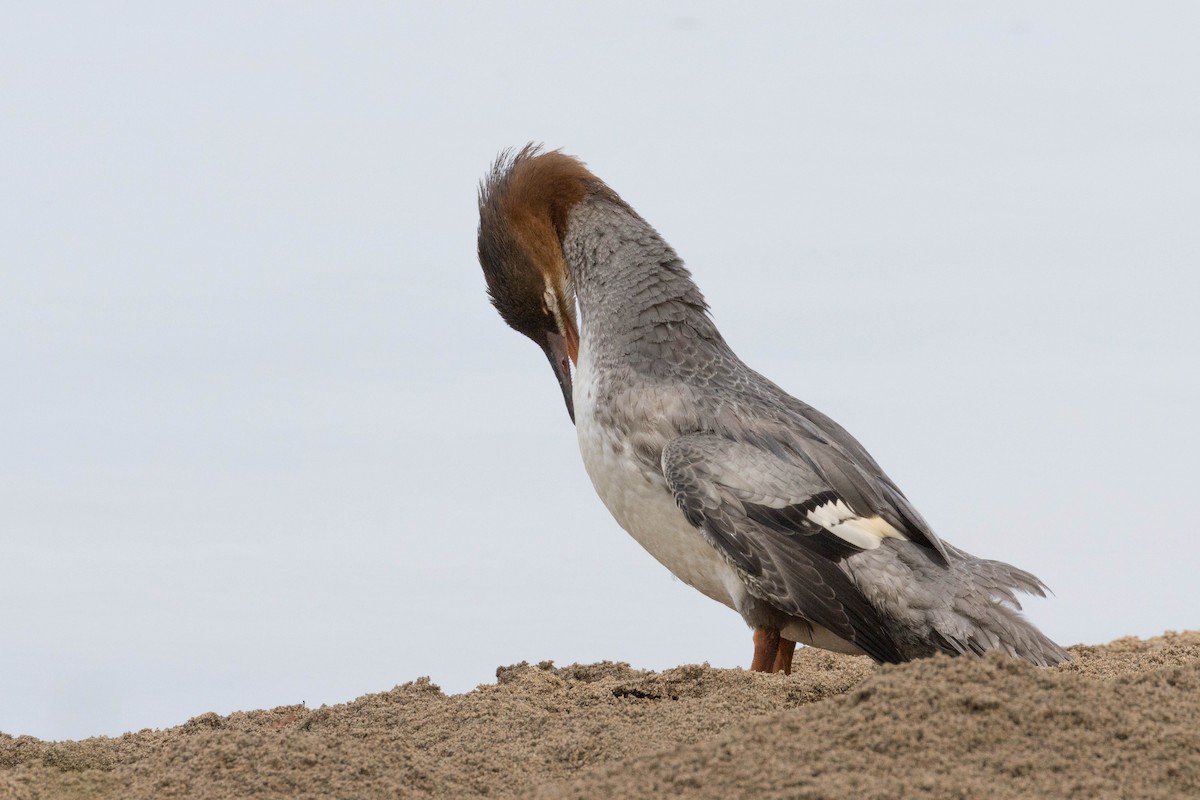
(969, 606)
(1002, 580)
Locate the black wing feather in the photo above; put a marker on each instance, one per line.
(784, 558)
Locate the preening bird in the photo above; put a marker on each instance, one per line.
(752, 497)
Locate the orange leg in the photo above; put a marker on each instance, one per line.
(783, 658)
(766, 648)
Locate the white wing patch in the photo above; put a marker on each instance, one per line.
(865, 532)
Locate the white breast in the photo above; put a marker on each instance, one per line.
(642, 504)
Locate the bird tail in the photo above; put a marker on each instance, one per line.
(969, 606)
(985, 614)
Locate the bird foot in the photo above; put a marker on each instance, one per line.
(783, 657)
(772, 652)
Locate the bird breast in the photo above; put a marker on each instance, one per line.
(638, 498)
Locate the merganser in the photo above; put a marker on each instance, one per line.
(745, 493)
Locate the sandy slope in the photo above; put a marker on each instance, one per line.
(1122, 720)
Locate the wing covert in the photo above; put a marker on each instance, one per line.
(782, 526)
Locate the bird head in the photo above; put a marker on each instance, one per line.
(524, 203)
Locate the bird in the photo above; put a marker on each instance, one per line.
(745, 493)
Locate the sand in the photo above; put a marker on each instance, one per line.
(1121, 720)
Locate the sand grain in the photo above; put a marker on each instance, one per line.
(1122, 720)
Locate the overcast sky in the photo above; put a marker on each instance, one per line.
(263, 440)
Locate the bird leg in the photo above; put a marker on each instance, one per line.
(783, 658)
(766, 649)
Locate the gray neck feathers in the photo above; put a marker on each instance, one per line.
(636, 298)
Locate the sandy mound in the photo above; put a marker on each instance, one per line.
(1122, 720)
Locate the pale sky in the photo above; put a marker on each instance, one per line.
(264, 441)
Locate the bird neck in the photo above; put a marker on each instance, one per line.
(635, 295)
